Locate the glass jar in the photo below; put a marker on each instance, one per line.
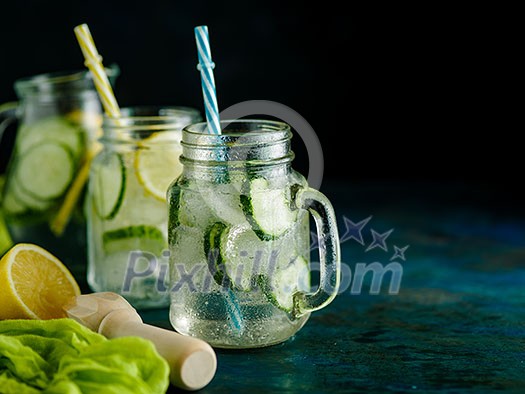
(59, 117)
(126, 204)
(240, 241)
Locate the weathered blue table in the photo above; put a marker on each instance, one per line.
(457, 324)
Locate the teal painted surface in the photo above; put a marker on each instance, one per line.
(456, 326)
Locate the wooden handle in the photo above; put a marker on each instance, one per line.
(90, 309)
(192, 361)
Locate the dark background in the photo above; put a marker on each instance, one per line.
(395, 92)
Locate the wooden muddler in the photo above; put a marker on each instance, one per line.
(192, 361)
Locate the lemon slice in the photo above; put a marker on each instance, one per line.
(157, 168)
(34, 284)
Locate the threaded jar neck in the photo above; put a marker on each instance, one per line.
(242, 142)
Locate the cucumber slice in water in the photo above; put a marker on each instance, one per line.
(54, 129)
(174, 197)
(212, 251)
(45, 171)
(108, 185)
(141, 237)
(267, 209)
(28, 200)
(11, 204)
(239, 254)
(280, 287)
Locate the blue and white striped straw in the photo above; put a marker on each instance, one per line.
(234, 311)
(206, 67)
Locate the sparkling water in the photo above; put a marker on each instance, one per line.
(220, 312)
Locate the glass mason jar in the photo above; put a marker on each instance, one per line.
(240, 241)
(126, 205)
(59, 116)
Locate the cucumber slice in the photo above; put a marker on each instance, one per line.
(268, 210)
(242, 251)
(54, 129)
(280, 288)
(141, 237)
(45, 171)
(27, 199)
(240, 254)
(174, 195)
(11, 204)
(108, 184)
(212, 251)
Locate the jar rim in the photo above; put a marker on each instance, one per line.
(152, 118)
(153, 115)
(140, 122)
(242, 140)
(243, 131)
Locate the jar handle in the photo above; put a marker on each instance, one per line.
(329, 251)
(7, 115)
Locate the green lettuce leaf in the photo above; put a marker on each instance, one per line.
(63, 357)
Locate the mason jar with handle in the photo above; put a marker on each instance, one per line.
(59, 117)
(239, 238)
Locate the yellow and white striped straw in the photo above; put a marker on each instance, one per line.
(94, 63)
